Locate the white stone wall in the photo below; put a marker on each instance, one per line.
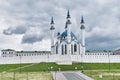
(54, 58)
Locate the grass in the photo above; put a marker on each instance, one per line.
(26, 76)
(36, 70)
(106, 75)
(47, 66)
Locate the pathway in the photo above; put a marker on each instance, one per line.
(70, 75)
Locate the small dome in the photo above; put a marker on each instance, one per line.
(64, 34)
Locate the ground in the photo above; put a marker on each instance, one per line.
(109, 71)
(26, 76)
(103, 74)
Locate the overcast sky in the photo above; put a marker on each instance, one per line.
(25, 24)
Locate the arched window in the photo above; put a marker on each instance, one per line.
(65, 49)
(75, 48)
(62, 50)
(56, 50)
(71, 49)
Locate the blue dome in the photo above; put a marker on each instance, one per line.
(64, 34)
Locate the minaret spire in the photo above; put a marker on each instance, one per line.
(82, 23)
(68, 14)
(52, 21)
(82, 20)
(52, 24)
(82, 35)
(52, 35)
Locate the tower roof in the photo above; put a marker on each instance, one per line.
(68, 14)
(52, 21)
(52, 24)
(82, 20)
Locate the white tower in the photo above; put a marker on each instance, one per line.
(52, 28)
(82, 36)
(58, 46)
(68, 25)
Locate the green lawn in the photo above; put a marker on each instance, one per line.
(26, 76)
(47, 66)
(106, 75)
(108, 71)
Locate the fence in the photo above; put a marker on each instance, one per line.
(26, 76)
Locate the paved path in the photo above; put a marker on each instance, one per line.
(73, 76)
(70, 75)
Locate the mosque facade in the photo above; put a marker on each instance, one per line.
(67, 43)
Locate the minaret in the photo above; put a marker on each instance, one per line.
(68, 26)
(52, 28)
(82, 35)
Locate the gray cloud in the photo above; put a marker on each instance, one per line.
(101, 19)
(31, 39)
(15, 30)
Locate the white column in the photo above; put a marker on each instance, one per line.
(52, 41)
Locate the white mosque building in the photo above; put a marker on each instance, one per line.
(67, 42)
(67, 49)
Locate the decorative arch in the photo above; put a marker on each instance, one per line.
(62, 49)
(56, 49)
(65, 49)
(75, 48)
(71, 49)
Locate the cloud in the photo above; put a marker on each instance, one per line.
(31, 38)
(34, 35)
(31, 20)
(15, 30)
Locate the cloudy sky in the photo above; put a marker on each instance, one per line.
(25, 24)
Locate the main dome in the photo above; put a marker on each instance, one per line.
(64, 34)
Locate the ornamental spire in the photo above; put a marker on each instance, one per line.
(82, 23)
(52, 21)
(68, 18)
(52, 24)
(68, 14)
(82, 20)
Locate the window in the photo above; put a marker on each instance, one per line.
(65, 49)
(62, 50)
(75, 48)
(71, 49)
(56, 50)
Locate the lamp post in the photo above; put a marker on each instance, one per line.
(109, 60)
(113, 75)
(100, 76)
(1, 76)
(82, 68)
(14, 76)
(51, 68)
(75, 68)
(27, 76)
(59, 69)
(55, 75)
(20, 63)
(48, 57)
(82, 62)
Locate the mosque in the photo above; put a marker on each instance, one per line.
(67, 42)
(67, 49)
